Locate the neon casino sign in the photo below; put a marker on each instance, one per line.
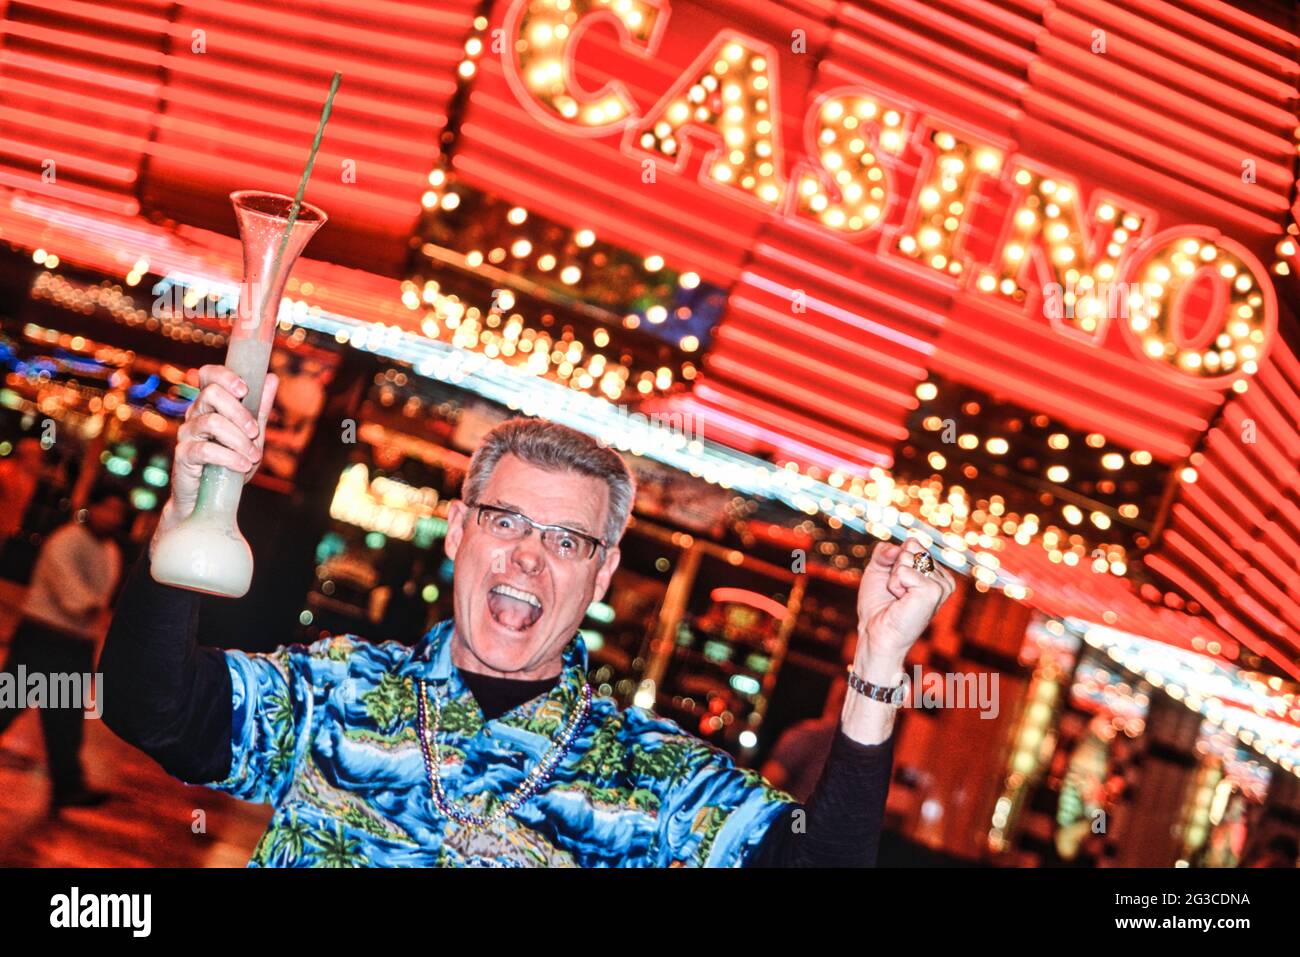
(1196, 303)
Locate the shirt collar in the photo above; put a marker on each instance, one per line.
(432, 657)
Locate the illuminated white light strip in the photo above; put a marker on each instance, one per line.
(532, 395)
(1201, 683)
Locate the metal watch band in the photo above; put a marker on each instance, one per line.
(874, 691)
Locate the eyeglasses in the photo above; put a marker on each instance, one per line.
(511, 526)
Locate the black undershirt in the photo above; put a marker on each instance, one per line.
(496, 696)
(172, 699)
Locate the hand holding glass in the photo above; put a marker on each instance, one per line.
(201, 549)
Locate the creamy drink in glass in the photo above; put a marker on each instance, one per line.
(206, 552)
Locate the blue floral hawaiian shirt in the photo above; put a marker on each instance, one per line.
(327, 733)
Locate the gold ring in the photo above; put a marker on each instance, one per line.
(923, 563)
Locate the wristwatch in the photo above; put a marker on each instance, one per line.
(896, 695)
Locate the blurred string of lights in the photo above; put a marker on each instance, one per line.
(85, 385)
(77, 379)
(495, 278)
(1086, 500)
(168, 318)
(1250, 706)
(1101, 689)
(821, 535)
(602, 280)
(474, 46)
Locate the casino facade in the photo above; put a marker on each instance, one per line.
(1017, 275)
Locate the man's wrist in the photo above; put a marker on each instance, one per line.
(880, 667)
(864, 720)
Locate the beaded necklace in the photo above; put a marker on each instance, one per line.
(535, 779)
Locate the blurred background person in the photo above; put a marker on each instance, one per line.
(1280, 851)
(19, 475)
(800, 753)
(64, 619)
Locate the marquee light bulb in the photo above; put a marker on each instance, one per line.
(952, 176)
(727, 92)
(1048, 213)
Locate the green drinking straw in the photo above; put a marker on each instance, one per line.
(302, 184)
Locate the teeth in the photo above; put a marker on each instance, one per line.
(517, 593)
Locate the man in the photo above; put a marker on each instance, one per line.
(482, 745)
(18, 480)
(1280, 851)
(63, 618)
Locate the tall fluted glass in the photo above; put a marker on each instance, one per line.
(206, 552)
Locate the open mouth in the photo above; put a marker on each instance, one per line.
(514, 608)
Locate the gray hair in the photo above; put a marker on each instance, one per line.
(556, 448)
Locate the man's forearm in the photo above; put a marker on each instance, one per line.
(841, 823)
(162, 692)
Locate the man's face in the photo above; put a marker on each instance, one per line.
(106, 517)
(517, 604)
